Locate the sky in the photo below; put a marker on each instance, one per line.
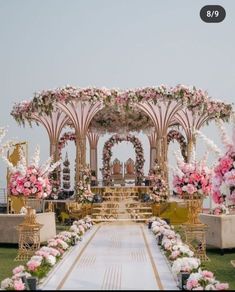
(121, 44)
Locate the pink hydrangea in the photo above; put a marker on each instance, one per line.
(222, 286)
(33, 265)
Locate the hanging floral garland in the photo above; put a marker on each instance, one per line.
(68, 136)
(176, 135)
(107, 153)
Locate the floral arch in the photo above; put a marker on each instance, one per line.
(107, 154)
(176, 135)
(67, 136)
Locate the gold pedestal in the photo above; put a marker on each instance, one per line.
(156, 209)
(194, 208)
(195, 236)
(29, 236)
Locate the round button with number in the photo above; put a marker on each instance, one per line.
(212, 13)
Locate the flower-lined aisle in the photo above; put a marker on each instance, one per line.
(182, 259)
(47, 256)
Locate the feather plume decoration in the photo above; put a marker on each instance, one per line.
(210, 144)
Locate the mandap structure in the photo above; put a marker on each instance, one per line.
(163, 113)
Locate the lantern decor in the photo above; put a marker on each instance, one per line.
(29, 236)
(66, 174)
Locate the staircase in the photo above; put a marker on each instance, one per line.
(121, 204)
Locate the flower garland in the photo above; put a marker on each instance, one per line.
(195, 99)
(159, 190)
(182, 259)
(84, 192)
(192, 179)
(176, 135)
(30, 180)
(107, 154)
(67, 136)
(47, 256)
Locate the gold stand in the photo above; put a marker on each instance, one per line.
(194, 208)
(29, 236)
(196, 239)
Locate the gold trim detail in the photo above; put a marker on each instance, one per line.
(76, 260)
(155, 271)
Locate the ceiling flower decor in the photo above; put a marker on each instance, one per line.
(115, 100)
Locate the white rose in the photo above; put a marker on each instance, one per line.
(51, 260)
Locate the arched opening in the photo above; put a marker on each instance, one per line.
(107, 154)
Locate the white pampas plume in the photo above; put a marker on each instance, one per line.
(44, 168)
(2, 133)
(233, 122)
(210, 144)
(224, 136)
(177, 171)
(22, 161)
(36, 157)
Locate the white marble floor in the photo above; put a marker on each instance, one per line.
(113, 256)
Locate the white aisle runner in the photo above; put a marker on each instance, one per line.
(113, 256)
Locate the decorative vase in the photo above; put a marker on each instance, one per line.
(150, 224)
(182, 280)
(17, 203)
(160, 237)
(194, 204)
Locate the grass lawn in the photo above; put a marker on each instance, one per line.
(220, 265)
(7, 263)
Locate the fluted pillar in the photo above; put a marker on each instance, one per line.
(93, 141)
(153, 148)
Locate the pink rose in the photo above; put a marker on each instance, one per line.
(190, 189)
(33, 265)
(18, 269)
(191, 284)
(207, 274)
(26, 192)
(33, 179)
(19, 285)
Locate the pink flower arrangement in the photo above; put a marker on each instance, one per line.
(182, 259)
(193, 179)
(204, 280)
(224, 174)
(31, 180)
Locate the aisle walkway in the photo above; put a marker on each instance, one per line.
(113, 256)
